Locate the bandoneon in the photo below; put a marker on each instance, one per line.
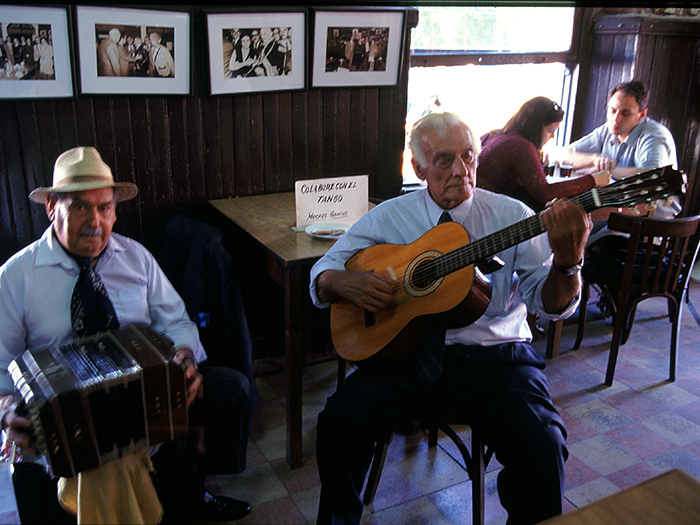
(102, 396)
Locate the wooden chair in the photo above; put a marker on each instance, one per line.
(475, 461)
(658, 258)
(554, 338)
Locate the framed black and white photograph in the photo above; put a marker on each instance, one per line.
(357, 48)
(253, 52)
(35, 53)
(133, 51)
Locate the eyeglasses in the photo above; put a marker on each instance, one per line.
(556, 106)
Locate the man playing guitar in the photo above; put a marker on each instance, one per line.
(486, 371)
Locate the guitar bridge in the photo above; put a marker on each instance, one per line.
(369, 319)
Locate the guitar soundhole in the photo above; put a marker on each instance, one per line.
(420, 277)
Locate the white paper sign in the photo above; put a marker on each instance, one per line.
(338, 199)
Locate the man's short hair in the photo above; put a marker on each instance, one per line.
(441, 124)
(636, 89)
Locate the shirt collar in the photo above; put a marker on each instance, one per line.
(50, 251)
(634, 135)
(458, 213)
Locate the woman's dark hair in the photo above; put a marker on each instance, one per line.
(532, 116)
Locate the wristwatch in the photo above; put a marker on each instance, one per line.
(568, 270)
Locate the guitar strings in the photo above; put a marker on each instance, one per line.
(434, 269)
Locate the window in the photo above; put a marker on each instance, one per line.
(484, 62)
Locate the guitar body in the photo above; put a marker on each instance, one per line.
(455, 300)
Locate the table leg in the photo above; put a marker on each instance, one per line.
(294, 357)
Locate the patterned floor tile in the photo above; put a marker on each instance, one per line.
(599, 415)
(674, 427)
(602, 454)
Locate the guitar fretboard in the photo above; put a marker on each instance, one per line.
(642, 187)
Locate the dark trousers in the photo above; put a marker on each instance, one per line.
(500, 391)
(223, 416)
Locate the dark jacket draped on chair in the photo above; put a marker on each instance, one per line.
(205, 275)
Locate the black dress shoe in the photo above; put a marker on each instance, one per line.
(223, 508)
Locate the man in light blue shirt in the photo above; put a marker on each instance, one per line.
(629, 142)
(485, 371)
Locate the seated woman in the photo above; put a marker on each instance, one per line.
(510, 161)
(243, 58)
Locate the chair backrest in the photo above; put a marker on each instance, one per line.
(660, 252)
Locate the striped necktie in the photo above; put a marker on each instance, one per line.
(91, 309)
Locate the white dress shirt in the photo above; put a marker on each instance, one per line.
(516, 288)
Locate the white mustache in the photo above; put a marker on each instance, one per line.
(91, 232)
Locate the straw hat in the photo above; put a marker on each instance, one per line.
(81, 169)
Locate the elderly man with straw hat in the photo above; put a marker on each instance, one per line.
(80, 278)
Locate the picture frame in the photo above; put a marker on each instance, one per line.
(45, 67)
(150, 68)
(357, 47)
(243, 55)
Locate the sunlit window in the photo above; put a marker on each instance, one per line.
(495, 29)
(483, 63)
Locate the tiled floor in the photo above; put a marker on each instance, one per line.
(618, 436)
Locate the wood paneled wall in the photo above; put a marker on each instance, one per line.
(665, 54)
(181, 151)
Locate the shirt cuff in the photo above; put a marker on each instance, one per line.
(568, 311)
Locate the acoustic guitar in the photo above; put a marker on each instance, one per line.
(437, 283)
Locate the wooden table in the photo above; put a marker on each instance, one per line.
(672, 497)
(268, 220)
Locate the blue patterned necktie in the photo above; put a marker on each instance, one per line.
(91, 309)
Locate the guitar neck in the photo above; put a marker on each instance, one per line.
(490, 245)
(643, 187)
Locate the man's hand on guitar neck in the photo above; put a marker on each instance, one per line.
(363, 289)
(568, 227)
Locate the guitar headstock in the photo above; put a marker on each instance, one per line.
(647, 186)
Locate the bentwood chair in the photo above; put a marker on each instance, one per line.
(658, 257)
(475, 461)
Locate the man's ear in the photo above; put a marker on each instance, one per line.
(51, 207)
(418, 170)
(644, 113)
